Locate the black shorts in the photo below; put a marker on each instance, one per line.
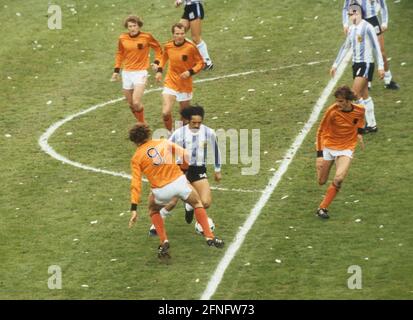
(363, 69)
(195, 173)
(193, 11)
(374, 21)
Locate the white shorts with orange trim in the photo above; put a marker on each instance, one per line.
(180, 96)
(177, 188)
(132, 78)
(330, 154)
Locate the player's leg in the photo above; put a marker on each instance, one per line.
(323, 168)
(137, 105)
(154, 212)
(196, 30)
(168, 101)
(342, 166)
(388, 78)
(186, 24)
(204, 191)
(165, 212)
(201, 216)
(128, 93)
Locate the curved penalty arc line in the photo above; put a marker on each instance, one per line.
(48, 149)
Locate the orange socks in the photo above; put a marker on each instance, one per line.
(202, 218)
(329, 197)
(139, 115)
(159, 226)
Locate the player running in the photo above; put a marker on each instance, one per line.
(337, 135)
(133, 57)
(184, 60)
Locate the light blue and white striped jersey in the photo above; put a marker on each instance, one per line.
(363, 40)
(370, 8)
(196, 143)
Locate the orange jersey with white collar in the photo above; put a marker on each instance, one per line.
(156, 159)
(338, 129)
(181, 58)
(133, 52)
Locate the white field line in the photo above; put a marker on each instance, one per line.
(44, 144)
(256, 210)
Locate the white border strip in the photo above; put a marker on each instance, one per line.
(272, 184)
(44, 143)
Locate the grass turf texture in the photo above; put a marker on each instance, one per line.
(57, 202)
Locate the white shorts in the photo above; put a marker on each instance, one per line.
(177, 188)
(132, 78)
(330, 154)
(180, 96)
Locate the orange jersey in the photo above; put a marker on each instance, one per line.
(181, 58)
(133, 52)
(156, 159)
(338, 129)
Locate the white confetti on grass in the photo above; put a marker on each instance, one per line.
(403, 63)
(366, 258)
(18, 14)
(248, 37)
(214, 118)
(355, 201)
(285, 197)
(69, 133)
(272, 169)
(278, 261)
(75, 239)
(49, 102)
(93, 222)
(122, 214)
(306, 91)
(7, 135)
(357, 220)
(197, 280)
(309, 247)
(251, 90)
(84, 286)
(247, 264)
(10, 78)
(381, 226)
(113, 260)
(398, 101)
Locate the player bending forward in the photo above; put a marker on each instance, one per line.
(156, 160)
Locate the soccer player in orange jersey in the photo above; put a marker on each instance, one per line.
(133, 57)
(184, 61)
(156, 160)
(337, 136)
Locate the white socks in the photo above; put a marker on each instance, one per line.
(188, 207)
(370, 117)
(387, 77)
(202, 47)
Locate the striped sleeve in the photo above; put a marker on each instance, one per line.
(384, 13)
(217, 154)
(376, 46)
(344, 13)
(343, 50)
